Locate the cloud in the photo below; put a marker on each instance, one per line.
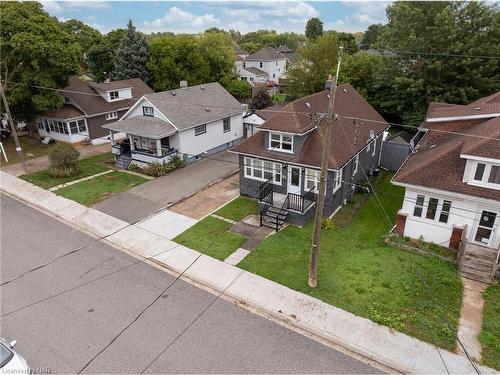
(181, 21)
(57, 7)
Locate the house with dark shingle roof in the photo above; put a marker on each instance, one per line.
(189, 122)
(265, 65)
(87, 106)
(452, 183)
(280, 164)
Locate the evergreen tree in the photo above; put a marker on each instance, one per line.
(132, 55)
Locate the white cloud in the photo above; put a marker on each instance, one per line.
(180, 21)
(57, 7)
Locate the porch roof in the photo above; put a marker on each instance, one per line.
(142, 126)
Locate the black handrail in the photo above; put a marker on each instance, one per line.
(297, 201)
(283, 208)
(266, 192)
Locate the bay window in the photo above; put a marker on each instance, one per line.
(262, 170)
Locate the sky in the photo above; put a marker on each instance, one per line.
(196, 16)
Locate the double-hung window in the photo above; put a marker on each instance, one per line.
(478, 176)
(487, 174)
(337, 180)
(81, 126)
(148, 111)
(445, 211)
(73, 127)
(432, 208)
(262, 170)
(114, 95)
(199, 130)
(419, 206)
(280, 142)
(111, 115)
(226, 125)
(494, 177)
(312, 179)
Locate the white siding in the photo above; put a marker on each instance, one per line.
(463, 212)
(214, 137)
(276, 67)
(137, 111)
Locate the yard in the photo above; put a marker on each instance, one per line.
(96, 189)
(32, 148)
(490, 334)
(211, 236)
(88, 167)
(359, 273)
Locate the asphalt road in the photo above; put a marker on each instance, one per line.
(61, 324)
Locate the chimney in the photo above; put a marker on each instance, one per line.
(329, 84)
(183, 84)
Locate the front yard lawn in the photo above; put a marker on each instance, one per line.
(359, 273)
(32, 149)
(88, 167)
(490, 334)
(210, 237)
(239, 208)
(96, 189)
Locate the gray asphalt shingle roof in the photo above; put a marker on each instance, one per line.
(266, 54)
(143, 126)
(195, 105)
(256, 71)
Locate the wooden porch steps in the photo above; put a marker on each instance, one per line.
(123, 161)
(478, 263)
(275, 217)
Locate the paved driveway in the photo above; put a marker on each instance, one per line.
(63, 314)
(141, 201)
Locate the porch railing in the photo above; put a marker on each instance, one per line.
(302, 202)
(266, 192)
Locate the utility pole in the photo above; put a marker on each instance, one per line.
(318, 217)
(19, 150)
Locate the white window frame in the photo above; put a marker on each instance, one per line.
(279, 147)
(337, 180)
(148, 111)
(356, 164)
(226, 122)
(111, 94)
(255, 169)
(446, 213)
(374, 147)
(486, 175)
(111, 115)
(311, 175)
(200, 129)
(420, 206)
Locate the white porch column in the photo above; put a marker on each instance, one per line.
(112, 138)
(158, 147)
(132, 146)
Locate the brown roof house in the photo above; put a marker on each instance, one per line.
(452, 183)
(280, 163)
(89, 105)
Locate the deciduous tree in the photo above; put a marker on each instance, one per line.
(314, 28)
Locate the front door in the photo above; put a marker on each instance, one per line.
(294, 174)
(485, 228)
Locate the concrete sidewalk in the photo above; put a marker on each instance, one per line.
(390, 348)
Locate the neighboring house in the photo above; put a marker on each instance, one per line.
(280, 164)
(452, 183)
(287, 52)
(265, 65)
(240, 52)
(189, 122)
(87, 106)
(253, 119)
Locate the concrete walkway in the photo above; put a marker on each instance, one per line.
(471, 318)
(41, 163)
(167, 224)
(381, 344)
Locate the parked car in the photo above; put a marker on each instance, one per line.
(10, 361)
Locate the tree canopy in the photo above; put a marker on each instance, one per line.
(314, 28)
(132, 55)
(36, 50)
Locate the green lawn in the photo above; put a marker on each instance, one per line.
(96, 189)
(359, 273)
(490, 334)
(239, 208)
(88, 167)
(210, 237)
(32, 148)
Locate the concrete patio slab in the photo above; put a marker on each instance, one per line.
(167, 224)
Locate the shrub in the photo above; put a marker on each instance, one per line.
(176, 162)
(63, 160)
(327, 223)
(133, 167)
(157, 169)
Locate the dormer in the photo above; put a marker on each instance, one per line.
(483, 172)
(113, 91)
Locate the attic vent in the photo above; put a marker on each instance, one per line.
(345, 90)
(308, 105)
(202, 88)
(207, 109)
(328, 95)
(432, 146)
(477, 109)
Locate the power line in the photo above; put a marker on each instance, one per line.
(438, 54)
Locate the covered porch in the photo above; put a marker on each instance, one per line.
(147, 140)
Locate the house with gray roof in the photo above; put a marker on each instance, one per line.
(266, 65)
(189, 122)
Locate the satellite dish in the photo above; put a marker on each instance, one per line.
(372, 134)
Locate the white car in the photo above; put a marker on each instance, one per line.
(10, 361)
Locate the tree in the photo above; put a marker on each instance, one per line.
(347, 41)
(238, 88)
(63, 159)
(314, 28)
(359, 70)
(371, 35)
(84, 34)
(102, 55)
(261, 100)
(36, 50)
(251, 47)
(314, 63)
(132, 55)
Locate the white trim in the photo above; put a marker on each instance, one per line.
(289, 175)
(337, 181)
(136, 104)
(480, 158)
(287, 132)
(316, 177)
(465, 117)
(356, 161)
(281, 142)
(263, 179)
(485, 176)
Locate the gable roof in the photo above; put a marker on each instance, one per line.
(266, 54)
(489, 105)
(438, 164)
(150, 127)
(66, 112)
(91, 103)
(195, 105)
(347, 138)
